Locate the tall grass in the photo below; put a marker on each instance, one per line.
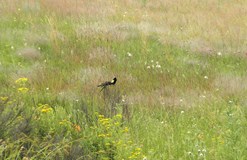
(181, 90)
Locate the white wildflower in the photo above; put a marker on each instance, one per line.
(158, 66)
(203, 96)
(189, 153)
(129, 54)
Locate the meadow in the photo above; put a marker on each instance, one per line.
(182, 79)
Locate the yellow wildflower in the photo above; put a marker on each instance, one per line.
(107, 144)
(108, 135)
(23, 90)
(21, 80)
(101, 135)
(45, 108)
(126, 129)
(119, 142)
(119, 116)
(4, 98)
(101, 151)
(64, 121)
(101, 116)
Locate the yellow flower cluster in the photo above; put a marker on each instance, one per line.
(105, 135)
(45, 108)
(68, 123)
(4, 98)
(21, 81)
(104, 122)
(135, 154)
(64, 121)
(114, 138)
(119, 116)
(126, 130)
(23, 90)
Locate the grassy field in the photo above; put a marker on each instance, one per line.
(182, 79)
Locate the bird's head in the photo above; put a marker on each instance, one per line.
(114, 80)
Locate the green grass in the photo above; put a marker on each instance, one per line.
(170, 102)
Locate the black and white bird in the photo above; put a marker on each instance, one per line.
(108, 83)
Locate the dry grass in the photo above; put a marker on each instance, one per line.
(29, 53)
(205, 26)
(101, 56)
(231, 84)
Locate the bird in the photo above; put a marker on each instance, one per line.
(108, 83)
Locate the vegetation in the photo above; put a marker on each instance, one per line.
(181, 90)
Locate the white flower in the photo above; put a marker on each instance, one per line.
(144, 158)
(129, 54)
(189, 153)
(205, 77)
(148, 67)
(203, 96)
(219, 54)
(182, 112)
(12, 47)
(152, 61)
(158, 66)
